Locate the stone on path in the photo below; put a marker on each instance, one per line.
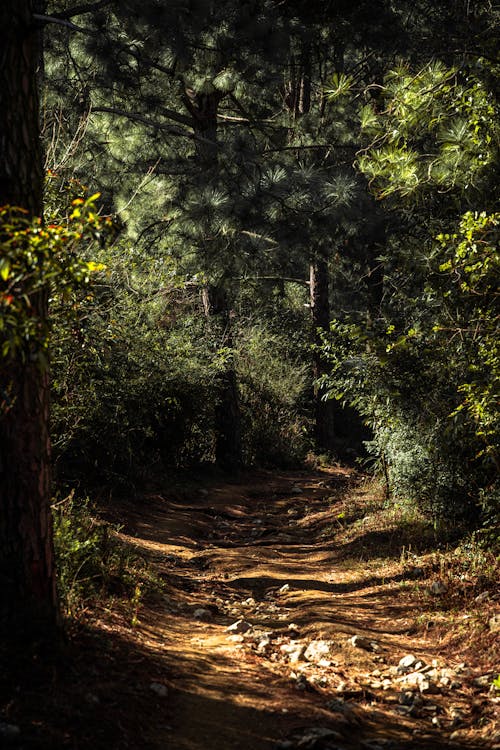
(240, 626)
(359, 641)
(160, 689)
(318, 650)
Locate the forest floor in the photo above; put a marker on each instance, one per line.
(284, 606)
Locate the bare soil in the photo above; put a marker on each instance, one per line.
(299, 557)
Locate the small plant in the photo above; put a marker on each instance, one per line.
(92, 562)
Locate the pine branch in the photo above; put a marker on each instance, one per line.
(146, 121)
(62, 22)
(79, 10)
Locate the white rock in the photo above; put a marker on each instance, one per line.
(418, 680)
(240, 626)
(406, 664)
(317, 650)
(359, 641)
(159, 689)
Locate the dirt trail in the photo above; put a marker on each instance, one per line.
(279, 553)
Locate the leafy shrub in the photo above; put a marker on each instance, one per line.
(91, 560)
(273, 386)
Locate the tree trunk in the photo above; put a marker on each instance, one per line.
(27, 577)
(320, 310)
(228, 447)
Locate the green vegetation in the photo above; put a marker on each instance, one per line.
(291, 246)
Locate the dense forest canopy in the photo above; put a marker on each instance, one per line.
(303, 249)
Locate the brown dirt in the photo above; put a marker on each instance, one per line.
(227, 549)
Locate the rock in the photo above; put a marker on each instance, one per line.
(201, 614)
(312, 736)
(359, 641)
(484, 681)
(317, 650)
(438, 588)
(406, 664)
(284, 588)
(494, 623)
(418, 680)
(159, 689)
(415, 572)
(9, 732)
(250, 602)
(240, 626)
(263, 645)
(294, 650)
(483, 597)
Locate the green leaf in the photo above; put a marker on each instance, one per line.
(4, 268)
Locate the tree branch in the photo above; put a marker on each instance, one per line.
(79, 10)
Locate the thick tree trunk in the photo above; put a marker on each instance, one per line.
(27, 578)
(320, 310)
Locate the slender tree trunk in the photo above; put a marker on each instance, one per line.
(228, 449)
(27, 577)
(299, 101)
(320, 310)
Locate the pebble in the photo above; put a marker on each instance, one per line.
(438, 588)
(159, 689)
(311, 737)
(406, 664)
(317, 650)
(240, 626)
(483, 597)
(201, 614)
(483, 681)
(418, 680)
(359, 641)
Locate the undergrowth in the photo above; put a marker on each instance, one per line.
(93, 563)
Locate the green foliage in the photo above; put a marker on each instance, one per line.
(274, 384)
(92, 561)
(131, 372)
(41, 259)
(423, 367)
(435, 128)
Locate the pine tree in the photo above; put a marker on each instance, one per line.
(27, 573)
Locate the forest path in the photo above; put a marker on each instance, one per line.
(293, 556)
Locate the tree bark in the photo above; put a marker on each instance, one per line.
(324, 432)
(27, 573)
(228, 444)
